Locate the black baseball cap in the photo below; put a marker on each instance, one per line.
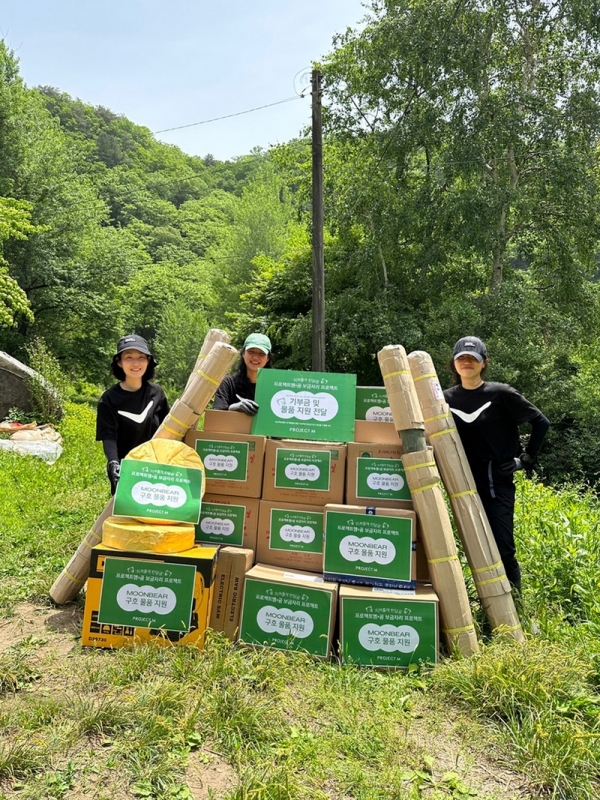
(470, 346)
(133, 342)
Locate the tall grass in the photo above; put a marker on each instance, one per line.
(47, 509)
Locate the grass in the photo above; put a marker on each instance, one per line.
(130, 723)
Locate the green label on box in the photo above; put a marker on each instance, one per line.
(372, 404)
(381, 478)
(302, 469)
(372, 546)
(147, 594)
(221, 524)
(305, 405)
(296, 530)
(388, 633)
(286, 617)
(224, 460)
(158, 491)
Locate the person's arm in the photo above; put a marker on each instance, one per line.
(106, 432)
(163, 408)
(110, 449)
(539, 429)
(224, 394)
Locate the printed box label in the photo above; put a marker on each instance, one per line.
(147, 594)
(158, 491)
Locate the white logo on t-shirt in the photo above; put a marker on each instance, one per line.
(139, 418)
(473, 415)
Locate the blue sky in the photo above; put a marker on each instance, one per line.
(164, 63)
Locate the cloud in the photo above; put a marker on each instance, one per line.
(404, 638)
(158, 494)
(223, 527)
(218, 463)
(320, 406)
(387, 481)
(367, 549)
(297, 533)
(285, 622)
(149, 599)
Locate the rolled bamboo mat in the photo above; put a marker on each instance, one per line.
(195, 398)
(212, 337)
(428, 501)
(445, 570)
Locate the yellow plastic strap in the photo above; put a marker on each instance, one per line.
(208, 378)
(73, 578)
(487, 569)
(442, 433)
(178, 421)
(171, 430)
(91, 533)
(400, 372)
(441, 560)
(427, 375)
(438, 416)
(459, 630)
(418, 466)
(491, 580)
(463, 494)
(200, 355)
(424, 488)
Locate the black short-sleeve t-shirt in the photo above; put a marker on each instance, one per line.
(130, 418)
(488, 419)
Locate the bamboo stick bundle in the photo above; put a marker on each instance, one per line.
(212, 337)
(424, 483)
(195, 398)
(473, 527)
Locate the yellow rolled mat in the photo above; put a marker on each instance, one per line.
(124, 533)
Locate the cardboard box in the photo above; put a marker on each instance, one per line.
(378, 432)
(388, 629)
(370, 546)
(228, 520)
(372, 404)
(315, 406)
(132, 597)
(375, 476)
(290, 535)
(233, 462)
(232, 565)
(309, 473)
(227, 422)
(288, 611)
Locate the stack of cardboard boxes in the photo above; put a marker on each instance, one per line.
(331, 529)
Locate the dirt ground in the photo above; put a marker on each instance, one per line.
(437, 732)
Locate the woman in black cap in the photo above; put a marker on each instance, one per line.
(130, 412)
(487, 417)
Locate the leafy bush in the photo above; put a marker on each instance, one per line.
(49, 389)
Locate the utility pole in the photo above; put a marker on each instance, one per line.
(318, 257)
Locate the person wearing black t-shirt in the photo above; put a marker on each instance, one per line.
(487, 417)
(130, 412)
(237, 391)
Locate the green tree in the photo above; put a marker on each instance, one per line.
(15, 222)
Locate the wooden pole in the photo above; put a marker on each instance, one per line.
(318, 257)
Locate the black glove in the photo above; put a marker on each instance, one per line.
(527, 462)
(245, 406)
(511, 466)
(113, 470)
